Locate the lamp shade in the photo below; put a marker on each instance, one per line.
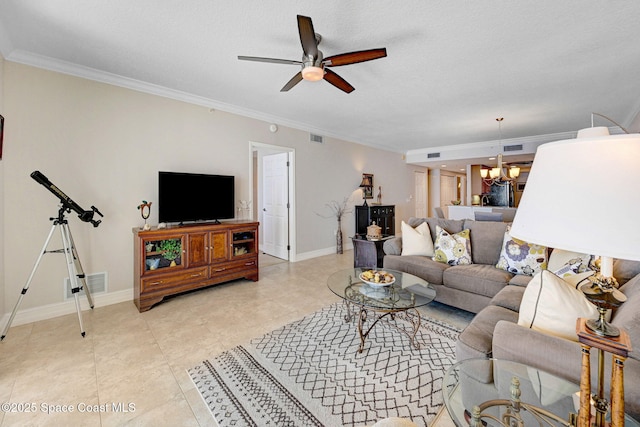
(582, 195)
(514, 172)
(366, 182)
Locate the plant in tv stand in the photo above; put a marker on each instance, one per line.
(171, 249)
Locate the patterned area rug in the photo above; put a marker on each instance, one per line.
(309, 373)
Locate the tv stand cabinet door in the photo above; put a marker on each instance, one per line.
(219, 248)
(198, 249)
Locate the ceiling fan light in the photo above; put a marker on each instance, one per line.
(312, 74)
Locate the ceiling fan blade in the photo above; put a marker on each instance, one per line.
(307, 36)
(354, 57)
(338, 81)
(291, 83)
(271, 60)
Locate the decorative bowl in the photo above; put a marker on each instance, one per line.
(384, 278)
(455, 202)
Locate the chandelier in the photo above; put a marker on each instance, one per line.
(497, 174)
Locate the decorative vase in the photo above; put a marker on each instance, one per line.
(339, 249)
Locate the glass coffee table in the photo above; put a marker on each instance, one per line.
(491, 392)
(375, 302)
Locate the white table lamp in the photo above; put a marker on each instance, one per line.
(582, 196)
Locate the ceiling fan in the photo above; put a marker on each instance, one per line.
(314, 64)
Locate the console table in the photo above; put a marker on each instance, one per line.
(383, 215)
(176, 259)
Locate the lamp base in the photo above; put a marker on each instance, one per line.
(600, 327)
(603, 300)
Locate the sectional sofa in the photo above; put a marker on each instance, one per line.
(497, 297)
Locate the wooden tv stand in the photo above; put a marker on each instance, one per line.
(206, 254)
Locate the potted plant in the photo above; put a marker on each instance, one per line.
(171, 250)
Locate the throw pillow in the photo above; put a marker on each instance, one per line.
(574, 279)
(552, 306)
(416, 241)
(452, 249)
(579, 262)
(520, 257)
(573, 267)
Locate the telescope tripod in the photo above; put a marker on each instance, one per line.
(76, 273)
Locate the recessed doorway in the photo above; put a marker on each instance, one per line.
(272, 188)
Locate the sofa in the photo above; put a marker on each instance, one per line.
(496, 296)
(468, 287)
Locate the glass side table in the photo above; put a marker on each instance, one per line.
(491, 392)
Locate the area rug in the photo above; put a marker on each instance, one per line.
(309, 373)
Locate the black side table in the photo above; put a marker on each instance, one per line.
(368, 253)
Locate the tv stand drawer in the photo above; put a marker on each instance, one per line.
(234, 266)
(169, 280)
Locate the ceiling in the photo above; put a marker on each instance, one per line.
(452, 68)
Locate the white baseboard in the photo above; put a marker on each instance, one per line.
(50, 311)
(321, 252)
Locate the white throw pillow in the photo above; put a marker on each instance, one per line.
(416, 241)
(552, 306)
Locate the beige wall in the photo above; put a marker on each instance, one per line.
(103, 145)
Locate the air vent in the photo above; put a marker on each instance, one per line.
(97, 284)
(516, 147)
(316, 138)
(433, 155)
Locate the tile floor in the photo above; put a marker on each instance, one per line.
(130, 369)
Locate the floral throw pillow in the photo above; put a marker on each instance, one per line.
(520, 257)
(573, 267)
(452, 249)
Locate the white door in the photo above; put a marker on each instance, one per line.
(275, 198)
(448, 191)
(421, 194)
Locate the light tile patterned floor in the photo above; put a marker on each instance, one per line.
(131, 367)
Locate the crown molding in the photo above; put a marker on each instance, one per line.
(495, 144)
(69, 68)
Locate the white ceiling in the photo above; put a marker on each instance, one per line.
(452, 66)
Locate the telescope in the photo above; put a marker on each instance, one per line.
(67, 203)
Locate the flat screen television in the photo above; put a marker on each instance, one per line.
(189, 197)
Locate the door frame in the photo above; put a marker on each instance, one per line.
(254, 176)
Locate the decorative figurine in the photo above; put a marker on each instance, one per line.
(379, 195)
(145, 211)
